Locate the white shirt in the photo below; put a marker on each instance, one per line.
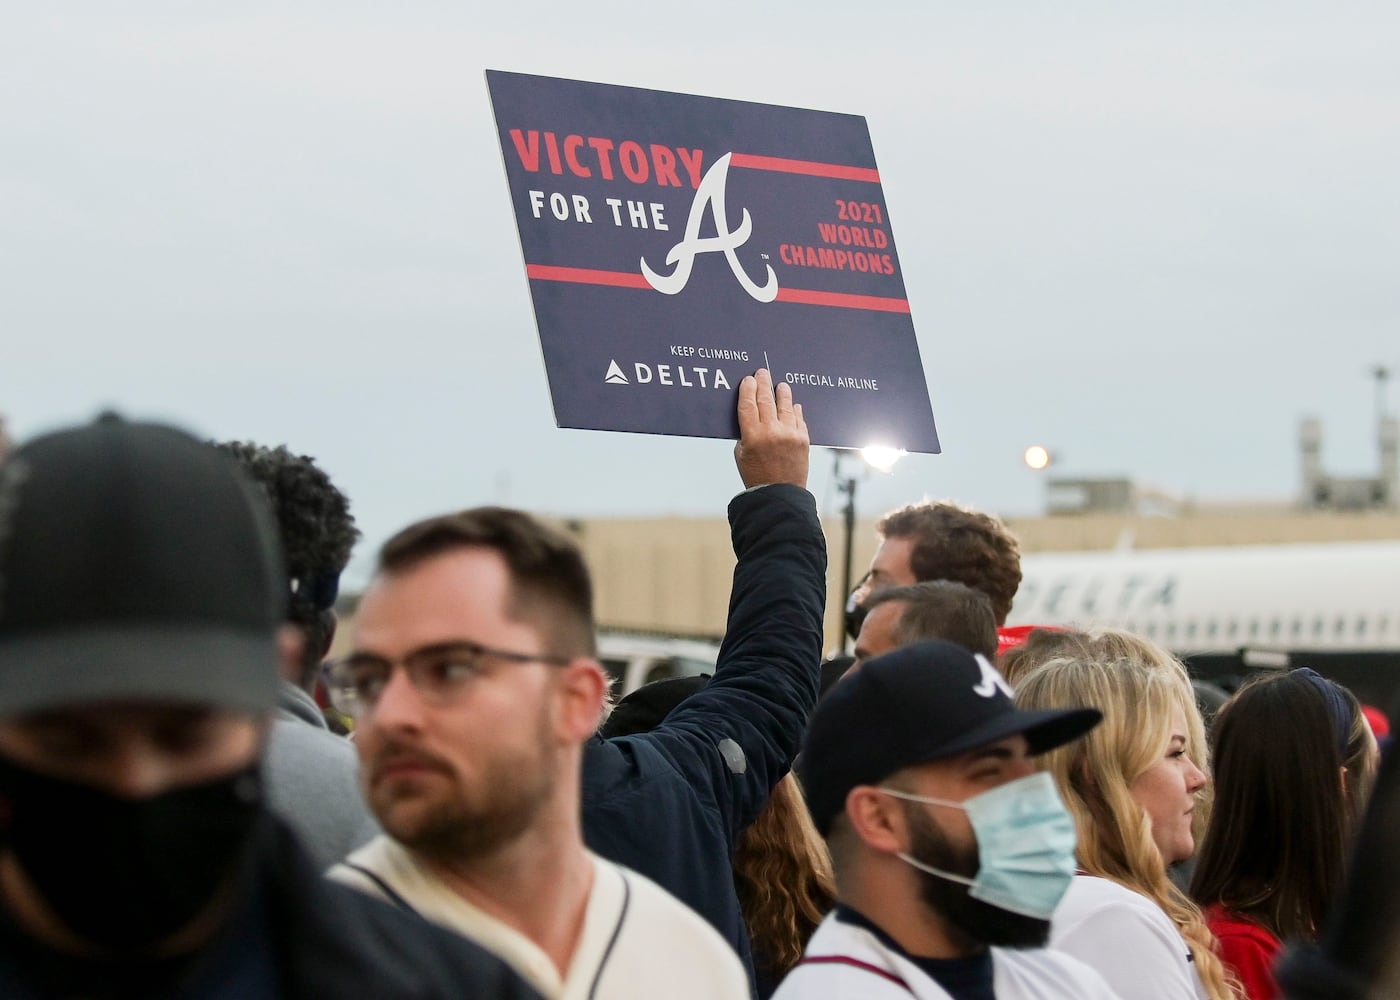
(844, 961)
(637, 942)
(1128, 938)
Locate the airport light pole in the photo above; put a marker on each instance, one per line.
(875, 457)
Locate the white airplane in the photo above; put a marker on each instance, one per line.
(1339, 597)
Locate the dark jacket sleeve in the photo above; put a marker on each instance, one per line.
(671, 803)
(737, 737)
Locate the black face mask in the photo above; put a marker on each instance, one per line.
(121, 873)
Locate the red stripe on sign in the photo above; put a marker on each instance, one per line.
(782, 166)
(585, 276)
(811, 298)
(803, 296)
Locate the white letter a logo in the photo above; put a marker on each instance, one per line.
(710, 195)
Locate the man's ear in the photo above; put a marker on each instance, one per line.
(583, 684)
(877, 819)
(291, 641)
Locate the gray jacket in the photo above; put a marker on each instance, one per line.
(312, 781)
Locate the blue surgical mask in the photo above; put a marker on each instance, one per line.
(1025, 845)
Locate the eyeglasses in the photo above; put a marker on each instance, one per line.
(439, 673)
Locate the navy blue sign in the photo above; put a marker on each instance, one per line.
(674, 244)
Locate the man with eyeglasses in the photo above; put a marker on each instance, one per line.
(477, 695)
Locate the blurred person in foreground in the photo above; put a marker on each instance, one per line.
(1294, 762)
(311, 772)
(140, 606)
(1133, 788)
(478, 697)
(950, 851)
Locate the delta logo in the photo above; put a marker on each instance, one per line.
(681, 376)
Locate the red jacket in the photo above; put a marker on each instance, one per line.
(1248, 950)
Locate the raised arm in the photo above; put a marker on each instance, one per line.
(773, 446)
(738, 736)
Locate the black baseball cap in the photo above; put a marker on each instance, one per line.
(647, 707)
(136, 562)
(916, 704)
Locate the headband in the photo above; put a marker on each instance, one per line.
(1337, 706)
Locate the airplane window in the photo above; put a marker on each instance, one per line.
(1317, 628)
(1340, 629)
(1297, 627)
(1233, 629)
(1151, 630)
(1191, 629)
(1275, 627)
(1130, 626)
(1383, 626)
(1360, 627)
(1212, 627)
(1254, 628)
(1171, 630)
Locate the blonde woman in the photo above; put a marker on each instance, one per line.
(1132, 786)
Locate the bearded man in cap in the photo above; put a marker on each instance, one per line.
(140, 605)
(950, 851)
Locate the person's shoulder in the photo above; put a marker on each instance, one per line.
(403, 947)
(1229, 925)
(617, 769)
(1124, 936)
(841, 980)
(297, 734)
(1031, 973)
(649, 923)
(1091, 896)
(846, 960)
(382, 869)
(660, 909)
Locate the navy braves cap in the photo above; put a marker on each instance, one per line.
(916, 704)
(136, 562)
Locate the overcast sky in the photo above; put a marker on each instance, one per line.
(1148, 236)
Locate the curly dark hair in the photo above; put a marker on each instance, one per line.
(318, 534)
(966, 546)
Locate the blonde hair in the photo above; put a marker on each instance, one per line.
(1095, 775)
(1113, 645)
(783, 875)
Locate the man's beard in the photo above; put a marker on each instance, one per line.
(455, 829)
(979, 921)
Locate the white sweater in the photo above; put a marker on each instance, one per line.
(637, 943)
(1127, 938)
(844, 961)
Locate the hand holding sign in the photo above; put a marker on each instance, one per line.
(773, 444)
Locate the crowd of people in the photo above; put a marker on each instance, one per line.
(196, 803)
